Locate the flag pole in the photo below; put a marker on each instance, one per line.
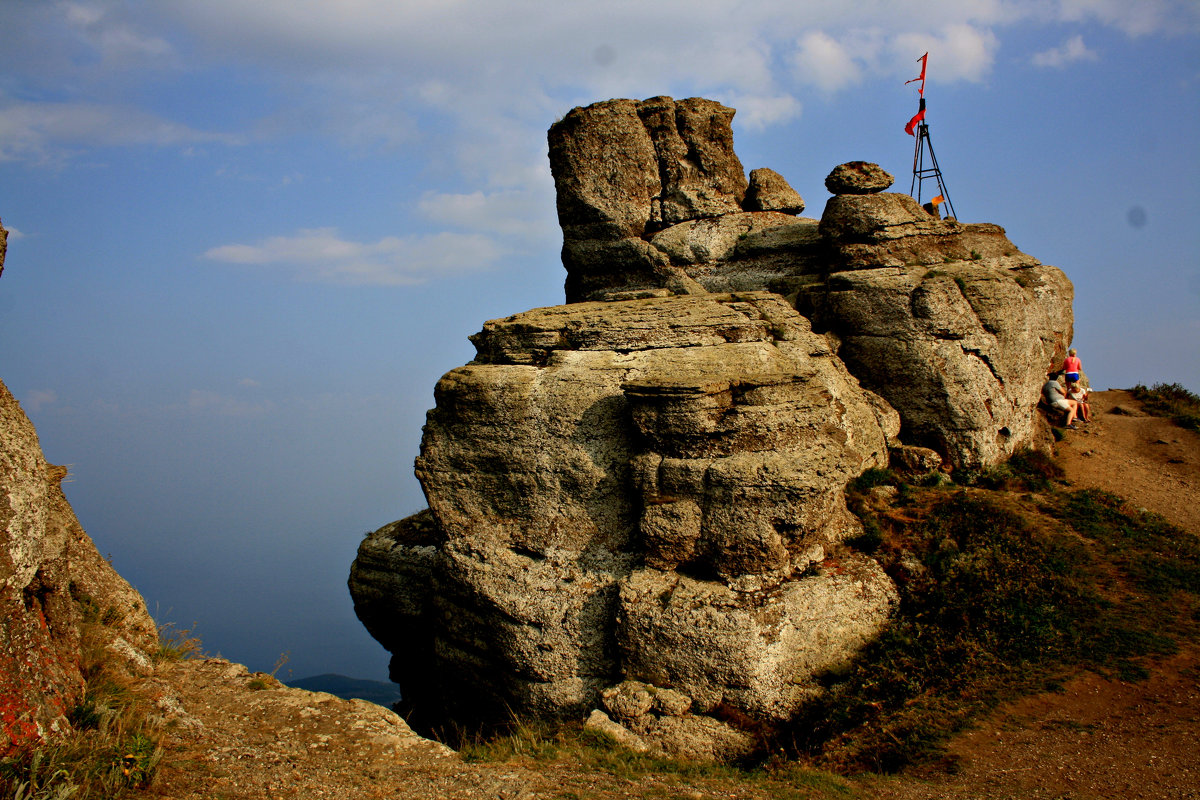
(918, 127)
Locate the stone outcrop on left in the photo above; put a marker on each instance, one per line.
(642, 489)
(51, 577)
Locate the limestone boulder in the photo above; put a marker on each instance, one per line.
(770, 191)
(711, 433)
(624, 169)
(951, 323)
(858, 177)
(754, 650)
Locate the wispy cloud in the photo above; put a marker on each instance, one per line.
(203, 401)
(1070, 51)
(38, 399)
(48, 131)
(322, 255)
(526, 214)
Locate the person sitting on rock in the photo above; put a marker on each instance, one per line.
(1072, 366)
(1053, 393)
(1076, 392)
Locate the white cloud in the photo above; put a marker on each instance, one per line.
(1070, 51)
(821, 60)
(13, 233)
(37, 399)
(321, 255)
(956, 52)
(525, 214)
(1135, 17)
(755, 112)
(114, 39)
(43, 131)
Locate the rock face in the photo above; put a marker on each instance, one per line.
(950, 322)
(50, 577)
(50, 568)
(637, 499)
(640, 489)
(624, 170)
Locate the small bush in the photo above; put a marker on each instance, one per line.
(1170, 400)
(872, 478)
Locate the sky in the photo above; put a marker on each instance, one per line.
(247, 238)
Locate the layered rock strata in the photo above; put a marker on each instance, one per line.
(636, 499)
(625, 170)
(636, 489)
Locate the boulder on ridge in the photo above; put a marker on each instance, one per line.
(697, 444)
(950, 322)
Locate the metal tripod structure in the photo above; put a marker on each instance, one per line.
(922, 173)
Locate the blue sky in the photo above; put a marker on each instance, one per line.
(248, 237)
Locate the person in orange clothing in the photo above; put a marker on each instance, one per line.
(1072, 366)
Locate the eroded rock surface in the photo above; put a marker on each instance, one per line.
(597, 460)
(950, 322)
(53, 583)
(637, 499)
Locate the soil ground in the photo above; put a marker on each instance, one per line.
(245, 737)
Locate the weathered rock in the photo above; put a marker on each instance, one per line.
(701, 175)
(911, 460)
(757, 651)
(640, 501)
(3, 247)
(695, 738)
(858, 177)
(624, 169)
(547, 464)
(769, 191)
(950, 323)
(599, 721)
(52, 581)
(628, 700)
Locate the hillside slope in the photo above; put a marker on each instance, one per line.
(1098, 737)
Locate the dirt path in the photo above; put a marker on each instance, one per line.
(1096, 739)
(1149, 461)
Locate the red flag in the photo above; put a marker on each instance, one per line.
(924, 62)
(912, 123)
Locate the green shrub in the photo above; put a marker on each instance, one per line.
(1170, 400)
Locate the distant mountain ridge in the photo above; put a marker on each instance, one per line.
(382, 693)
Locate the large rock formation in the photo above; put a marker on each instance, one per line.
(948, 321)
(637, 499)
(637, 489)
(51, 578)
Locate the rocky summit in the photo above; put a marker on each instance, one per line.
(637, 500)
